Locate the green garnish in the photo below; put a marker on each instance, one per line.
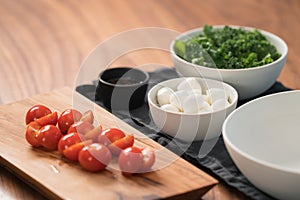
(227, 48)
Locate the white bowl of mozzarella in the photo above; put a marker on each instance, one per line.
(191, 109)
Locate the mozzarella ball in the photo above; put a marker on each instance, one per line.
(216, 94)
(195, 91)
(207, 99)
(177, 98)
(205, 107)
(163, 95)
(219, 104)
(192, 103)
(189, 84)
(169, 107)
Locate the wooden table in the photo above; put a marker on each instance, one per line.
(44, 42)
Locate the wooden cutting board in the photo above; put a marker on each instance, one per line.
(57, 178)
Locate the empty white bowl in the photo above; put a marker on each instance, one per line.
(263, 139)
(191, 127)
(249, 82)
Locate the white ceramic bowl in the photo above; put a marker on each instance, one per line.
(190, 127)
(249, 82)
(263, 139)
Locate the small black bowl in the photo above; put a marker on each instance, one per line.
(122, 88)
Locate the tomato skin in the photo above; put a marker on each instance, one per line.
(67, 118)
(88, 116)
(94, 157)
(68, 140)
(102, 139)
(72, 152)
(48, 119)
(93, 134)
(35, 112)
(80, 127)
(113, 134)
(110, 135)
(148, 159)
(130, 160)
(49, 137)
(32, 132)
(117, 146)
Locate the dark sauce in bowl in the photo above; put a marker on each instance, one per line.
(124, 81)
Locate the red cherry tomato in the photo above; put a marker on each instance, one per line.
(72, 152)
(32, 132)
(110, 135)
(93, 134)
(88, 116)
(148, 159)
(130, 160)
(94, 157)
(67, 118)
(36, 112)
(117, 146)
(81, 127)
(48, 119)
(49, 137)
(67, 141)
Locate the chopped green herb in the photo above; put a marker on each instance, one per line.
(227, 48)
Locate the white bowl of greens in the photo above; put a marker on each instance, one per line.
(249, 59)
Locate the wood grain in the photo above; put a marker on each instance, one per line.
(58, 178)
(43, 43)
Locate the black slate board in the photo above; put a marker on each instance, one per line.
(217, 163)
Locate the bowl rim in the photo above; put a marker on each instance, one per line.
(234, 101)
(266, 33)
(247, 155)
(143, 82)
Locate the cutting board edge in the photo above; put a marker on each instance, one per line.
(28, 180)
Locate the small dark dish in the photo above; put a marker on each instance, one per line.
(122, 88)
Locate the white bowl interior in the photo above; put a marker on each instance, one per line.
(266, 130)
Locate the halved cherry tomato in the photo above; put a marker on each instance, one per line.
(48, 119)
(117, 146)
(67, 118)
(148, 159)
(49, 137)
(68, 140)
(32, 132)
(72, 152)
(110, 135)
(81, 127)
(35, 112)
(88, 116)
(94, 157)
(93, 134)
(130, 160)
